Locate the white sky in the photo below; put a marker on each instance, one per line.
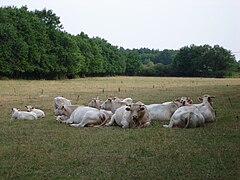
(154, 24)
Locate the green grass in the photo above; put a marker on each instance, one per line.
(45, 149)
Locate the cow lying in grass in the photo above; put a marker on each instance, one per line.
(39, 112)
(165, 110)
(130, 116)
(23, 115)
(193, 116)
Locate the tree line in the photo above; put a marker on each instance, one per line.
(35, 46)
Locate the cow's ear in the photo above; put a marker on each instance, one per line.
(62, 106)
(200, 99)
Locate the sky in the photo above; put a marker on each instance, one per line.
(153, 24)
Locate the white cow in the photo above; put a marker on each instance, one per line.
(194, 115)
(130, 116)
(59, 101)
(16, 114)
(90, 117)
(39, 112)
(186, 117)
(165, 110)
(95, 103)
(206, 108)
(65, 110)
(112, 104)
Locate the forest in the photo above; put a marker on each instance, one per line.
(34, 45)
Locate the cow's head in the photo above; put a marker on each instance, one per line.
(60, 110)
(206, 98)
(29, 108)
(106, 104)
(185, 101)
(137, 110)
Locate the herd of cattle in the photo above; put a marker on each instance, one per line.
(125, 113)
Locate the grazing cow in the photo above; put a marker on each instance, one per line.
(130, 116)
(39, 112)
(164, 111)
(16, 114)
(206, 108)
(186, 117)
(90, 117)
(95, 103)
(115, 103)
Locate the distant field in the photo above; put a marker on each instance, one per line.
(45, 149)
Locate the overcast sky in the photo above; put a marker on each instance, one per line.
(154, 24)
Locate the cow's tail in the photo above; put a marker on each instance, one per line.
(104, 120)
(187, 120)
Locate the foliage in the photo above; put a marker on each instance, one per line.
(203, 61)
(33, 45)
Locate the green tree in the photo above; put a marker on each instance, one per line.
(132, 63)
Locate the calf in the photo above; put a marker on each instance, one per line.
(129, 116)
(39, 112)
(16, 114)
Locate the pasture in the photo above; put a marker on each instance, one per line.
(46, 149)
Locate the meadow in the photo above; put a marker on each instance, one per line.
(46, 149)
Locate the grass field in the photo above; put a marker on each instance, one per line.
(45, 149)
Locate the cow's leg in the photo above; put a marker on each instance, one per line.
(68, 121)
(145, 124)
(75, 125)
(90, 122)
(125, 124)
(110, 123)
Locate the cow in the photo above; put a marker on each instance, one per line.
(165, 110)
(24, 115)
(186, 117)
(194, 115)
(39, 112)
(206, 108)
(131, 115)
(59, 101)
(112, 104)
(95, 103)
(65, 110)
(89, 117)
